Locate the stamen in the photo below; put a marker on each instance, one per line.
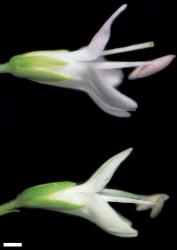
(119, 199)
(119, 65)
(128, 48)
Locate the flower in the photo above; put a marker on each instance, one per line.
(87, 70)
(90, 199)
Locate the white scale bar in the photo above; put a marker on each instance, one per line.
(15, 244)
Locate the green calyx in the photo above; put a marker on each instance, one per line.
(40, 197)
(37, 66)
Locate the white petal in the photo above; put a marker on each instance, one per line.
(103, 175)
(108, 219)
(154, 67)
(99, 41)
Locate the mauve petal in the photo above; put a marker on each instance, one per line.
(99, 41)
(154, 67)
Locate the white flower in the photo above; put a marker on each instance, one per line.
(87, 70)
(89, 200)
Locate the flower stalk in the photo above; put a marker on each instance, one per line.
(4, 68)
(8, 207)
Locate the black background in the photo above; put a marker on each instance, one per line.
(52, 134)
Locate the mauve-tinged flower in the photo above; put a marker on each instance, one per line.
(87, 69)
